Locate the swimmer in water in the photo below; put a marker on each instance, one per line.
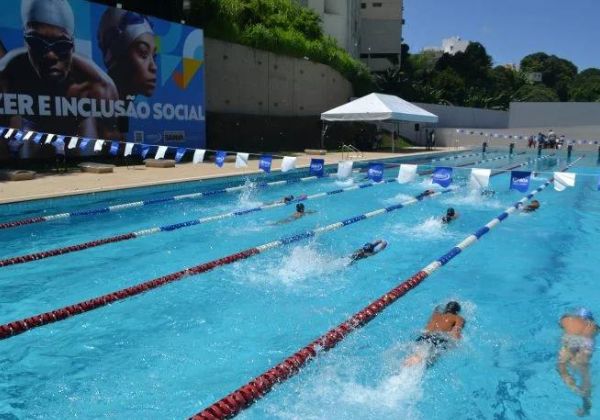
(576, 353)
(287, 199)
(442, 332)
(299, 213)
(488, 193)
(424, 194)
(450, 216)
(533, 206)
(368, 249)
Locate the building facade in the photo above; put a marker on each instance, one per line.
(451, 46)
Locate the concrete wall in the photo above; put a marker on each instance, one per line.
(243, 80)
(554, 114)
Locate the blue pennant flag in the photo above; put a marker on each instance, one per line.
(59, 145)
(19, 135)
(37, 138)
(442, 175)
(180, 154)
(2, 130)
(317, 167)
(144, 151)
(114, 148)
(519, 180)
(83, 143)
(265, 163)
(375, 172)
(220, 159)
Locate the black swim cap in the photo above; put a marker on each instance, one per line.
(452, 307)
(300, 208)
(288, 198)
(450, 212)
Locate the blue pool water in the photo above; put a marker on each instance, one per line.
(172, 351)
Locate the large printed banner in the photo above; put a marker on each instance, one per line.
(83, 69)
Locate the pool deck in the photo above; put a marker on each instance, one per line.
(49, 185)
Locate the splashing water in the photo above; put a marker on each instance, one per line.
(398, 198)
(431, 228)
(247, 198)
(474, 199)
(344, 183)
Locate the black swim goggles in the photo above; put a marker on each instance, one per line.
(41, 46)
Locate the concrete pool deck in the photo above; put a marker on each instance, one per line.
(49, 185)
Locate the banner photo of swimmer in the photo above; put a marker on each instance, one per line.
(78, 68)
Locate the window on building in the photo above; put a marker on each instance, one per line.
(363, 5)
(377, 4)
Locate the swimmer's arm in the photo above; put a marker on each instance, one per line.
(457, 329)
(310, 211)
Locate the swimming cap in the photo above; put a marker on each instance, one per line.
(452, 307)
(51, 12)
(118, 29)
(368, 247)
(586, 314)
(450, 212)
(300, 207)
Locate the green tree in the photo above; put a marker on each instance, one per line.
(557, 73)
(586, 86)
(535, 93)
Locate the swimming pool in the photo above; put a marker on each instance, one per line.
(172, 351)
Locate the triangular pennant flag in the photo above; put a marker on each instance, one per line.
(241, 160)
(128, 149)
(220, 159)
(84, 143)
(9, 133)
(49, 138)
(2, 130)
(265, 163)
(407, 173)
(160, 153)
(19, 135)
(562, 180)
(288, 163)
(114, 148)
(73, 143)
(344, 170)
(198, 156)
(442, 175)
(480, 178)
(519, 180)
(145, 150)
(180, 154)
(98, 145)
(38, 138)
(28, 135)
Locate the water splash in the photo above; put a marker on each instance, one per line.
(247, 198)
(430, 229)
(398, 198)
(473, 198)
(344, 183)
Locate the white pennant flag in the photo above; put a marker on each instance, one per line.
(128, 149)
(49, 138)
(9, 133)
(407, 173)
(241, 160)
(344, 170)
(480, 178)
(198, 156)
(288, 163)
(28, 135)
(98, 145)
(73, 143)
(562, 180)
(160, 153)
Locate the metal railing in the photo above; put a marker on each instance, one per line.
(351, 152)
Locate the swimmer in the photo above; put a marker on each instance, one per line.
(450, 216)
(533, 206)
(299, 213)
(287, 199)
(368, 249)
(488, 193)
(442, 332)
(424, 194)
(576, 352)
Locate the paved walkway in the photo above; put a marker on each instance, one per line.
(74, 182)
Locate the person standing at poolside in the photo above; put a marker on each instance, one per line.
(578, 343)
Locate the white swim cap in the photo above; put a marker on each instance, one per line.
(51, 12)
(118, 29)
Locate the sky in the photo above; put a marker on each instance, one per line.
(509, 29)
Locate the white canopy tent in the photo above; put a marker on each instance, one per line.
(379, 107)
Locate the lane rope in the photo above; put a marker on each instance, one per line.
(243, 397)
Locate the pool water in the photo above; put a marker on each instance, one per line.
(172, 351)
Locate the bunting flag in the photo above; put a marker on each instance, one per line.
(114, 148)
(9, 133)
(38, 138)
(198, 156)
(442, 176)
(28, 135)
(288, 163)
(98, 145)
(480, 178)
(144, 151)
(344, 170)
(128, 149)
(241, 160)
(2, 130)
(265, 163)
(19, 135)
(562, 180)
(519, 180)
(160, 153)
(73, 143)
(59, 145)
(180, 154)
(84, 143)
(220, 159)
(375, 172)
(407, 173)
(317, 167)
(49, 138)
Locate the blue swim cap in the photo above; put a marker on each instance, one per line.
(585, 314)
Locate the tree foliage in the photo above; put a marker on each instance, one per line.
(586, 86)
(557, 73)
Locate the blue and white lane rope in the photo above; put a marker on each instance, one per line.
(456, 157)
(22, 259)
(246, 395)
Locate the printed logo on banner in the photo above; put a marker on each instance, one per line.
(442, 176)
(519, 180)
(220, 159)
(265, 163)
(317, 167)
(114, 148)
(375, 172)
